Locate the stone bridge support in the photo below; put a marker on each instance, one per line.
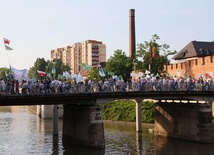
(83, 125)
(138, 103)
(190, 121)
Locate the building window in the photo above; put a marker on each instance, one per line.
(181, 65)
(176, 66)
(211, 59)
(171, 66)
(196, 61)
(189, 63)
(203, 61)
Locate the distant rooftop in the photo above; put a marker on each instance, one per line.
(195, 49)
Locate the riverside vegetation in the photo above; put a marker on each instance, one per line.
(124, 110)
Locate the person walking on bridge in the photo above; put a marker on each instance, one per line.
(2, 86)
(16, 86)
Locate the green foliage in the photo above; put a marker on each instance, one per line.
(121, 110)
(148, 111)
(47, 67)
(4, 73)
(120, 64)
(60, 67)
(40, 64)
(94, 74)
(145, 49)
(125, 110)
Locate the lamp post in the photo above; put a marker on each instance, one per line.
(55, 108)
(134, 63)
(46, 70)
(54, 69)
(203, 61)
(166, 63)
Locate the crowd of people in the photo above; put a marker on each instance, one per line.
(144, 83)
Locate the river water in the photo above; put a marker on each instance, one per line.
(23, 133)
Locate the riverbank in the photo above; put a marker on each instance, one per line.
(32, 108)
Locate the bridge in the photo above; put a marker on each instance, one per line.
(101, 97)
(179, 114)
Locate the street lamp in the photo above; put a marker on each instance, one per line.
(53, 69)
(55, 108)
(46, 70)
(134, 63)
(166, 63)
(203, 61)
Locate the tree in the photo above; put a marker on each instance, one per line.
(40, 64)
(150, 53)
(47, 66)
(4, 73)
(120, 64)
(59, 66)
(94, 75)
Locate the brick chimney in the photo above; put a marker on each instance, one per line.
(132, 46)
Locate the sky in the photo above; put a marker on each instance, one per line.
(37, 27)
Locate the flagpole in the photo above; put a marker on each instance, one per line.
(7, 42)
(8, 58)
(9, 63)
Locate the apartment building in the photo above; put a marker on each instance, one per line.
(91, 52)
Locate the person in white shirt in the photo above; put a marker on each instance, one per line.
(154, 82)
(106, 85)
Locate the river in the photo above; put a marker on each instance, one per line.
(23, 133)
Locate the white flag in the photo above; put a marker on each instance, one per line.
(66, 74)
(8, 48)
(79, 78)
(147, 72)
(19, 74)
(101, 72)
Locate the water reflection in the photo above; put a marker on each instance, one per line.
(22, 132)
(122, 139)
(182, 147)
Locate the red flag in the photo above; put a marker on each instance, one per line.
(208, 75)
(41, 73)
(6, 41)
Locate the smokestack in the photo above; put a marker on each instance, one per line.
(132, 46)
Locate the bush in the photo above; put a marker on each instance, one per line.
(124, 110)
(148, 112)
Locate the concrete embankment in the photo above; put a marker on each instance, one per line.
(32, 108)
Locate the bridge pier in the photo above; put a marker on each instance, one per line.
(83, 125)
(55, 120)
(190, 121)
(46, 112)
(138, 104)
